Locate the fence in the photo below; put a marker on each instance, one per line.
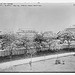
(4, 53)
(19, 51)
(14, 52)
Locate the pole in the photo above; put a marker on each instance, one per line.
(30, 63)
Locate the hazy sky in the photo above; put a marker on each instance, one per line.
(47, 17)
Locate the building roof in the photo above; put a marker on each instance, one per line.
(49, 34)
(70, 29)
(67, 30)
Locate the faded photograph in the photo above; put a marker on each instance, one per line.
(37, 37)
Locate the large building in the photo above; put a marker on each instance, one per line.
(30, 34)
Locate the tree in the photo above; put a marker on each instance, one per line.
(55, 45)
(7, 39)
(66, 36)
(49, 36)
(38, 41)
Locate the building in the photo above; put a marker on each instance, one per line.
(49, 35)
(30, 34)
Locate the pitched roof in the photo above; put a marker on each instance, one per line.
(67, 30)
(70, 29)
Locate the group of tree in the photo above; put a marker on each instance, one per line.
(35, 42)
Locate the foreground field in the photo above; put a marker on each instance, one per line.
(46, 66)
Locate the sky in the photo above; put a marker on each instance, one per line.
(47, 17)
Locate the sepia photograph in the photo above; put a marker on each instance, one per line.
(37, 37)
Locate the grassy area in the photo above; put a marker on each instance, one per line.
(46, 66)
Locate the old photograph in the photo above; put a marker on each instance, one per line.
(37, 37)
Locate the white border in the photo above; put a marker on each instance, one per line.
(35, 1)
